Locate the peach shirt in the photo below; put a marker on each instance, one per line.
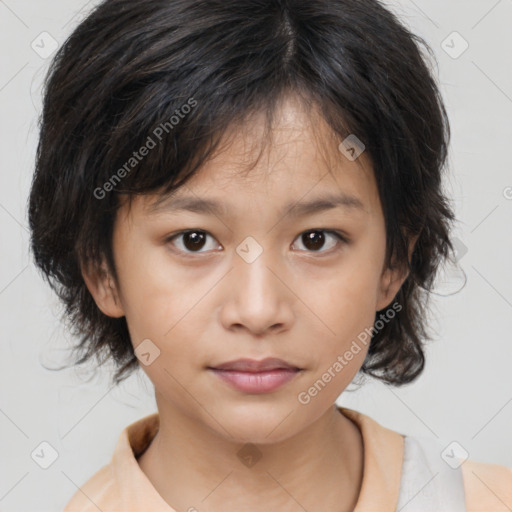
(121, 486)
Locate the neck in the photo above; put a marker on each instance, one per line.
(192, 467)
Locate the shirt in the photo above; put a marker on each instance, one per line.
(121, 485)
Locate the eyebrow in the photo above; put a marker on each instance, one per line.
(295, 209)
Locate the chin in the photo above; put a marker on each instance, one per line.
(256, 423)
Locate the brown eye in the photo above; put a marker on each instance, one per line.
(316, 239)
(190, 241)
(194, 240)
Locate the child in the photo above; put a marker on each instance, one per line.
(243, 198)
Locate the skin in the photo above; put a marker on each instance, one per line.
(293, 302)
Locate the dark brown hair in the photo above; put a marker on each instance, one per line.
(134, 66)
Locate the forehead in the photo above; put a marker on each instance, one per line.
(297, 159)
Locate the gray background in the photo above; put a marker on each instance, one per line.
(465, 393)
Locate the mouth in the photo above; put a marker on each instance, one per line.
(254, 366)
(256, 377)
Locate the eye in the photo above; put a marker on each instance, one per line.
(315, 239)
(191, 241)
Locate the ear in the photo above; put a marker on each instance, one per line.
(392, 279)
(103, 289)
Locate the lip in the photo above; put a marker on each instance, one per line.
(252, 365)
(256, 377)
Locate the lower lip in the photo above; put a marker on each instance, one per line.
(260, 382)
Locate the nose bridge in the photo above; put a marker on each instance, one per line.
(253, 263)
(256, 297)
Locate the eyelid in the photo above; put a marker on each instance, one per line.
(342, 237)
(170, 238)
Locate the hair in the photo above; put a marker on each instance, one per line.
(182, 73)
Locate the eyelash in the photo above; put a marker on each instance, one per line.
(190, 254)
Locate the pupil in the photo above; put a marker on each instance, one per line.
(314, 240)
(193, 240)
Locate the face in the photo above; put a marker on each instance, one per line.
(255, 274)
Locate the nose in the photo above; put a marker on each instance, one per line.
(256, 297)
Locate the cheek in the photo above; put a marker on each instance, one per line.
(165, 302)
(151, 292)
(350, 293)
(346, 302)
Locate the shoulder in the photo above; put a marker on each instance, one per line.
(431, 465)
(121, 484)
(99, 490)
(488, 487)
(453, 482)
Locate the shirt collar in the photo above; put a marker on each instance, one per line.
(383, 458)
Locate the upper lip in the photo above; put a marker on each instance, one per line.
(252, 365)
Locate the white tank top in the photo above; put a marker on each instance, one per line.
(428, 483)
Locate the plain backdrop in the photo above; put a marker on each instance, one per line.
(465, 392)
